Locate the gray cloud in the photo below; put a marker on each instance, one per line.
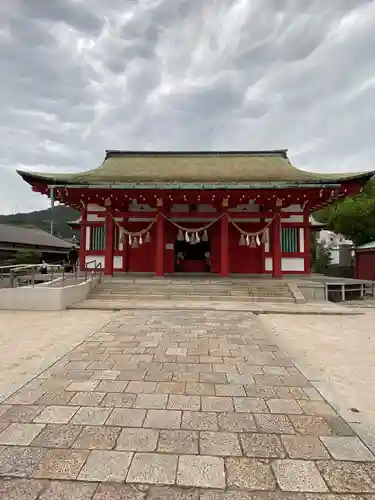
(79, 77)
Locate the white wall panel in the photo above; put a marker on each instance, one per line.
(90, 258)
(91, 207)
(268, 264)
(117, 262)
(292, 264)
(88, 237)
(301, 240)
(95, 218)
(292, 208)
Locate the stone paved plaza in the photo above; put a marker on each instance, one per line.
(178, 406)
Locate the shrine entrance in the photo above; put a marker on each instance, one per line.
(192, 256)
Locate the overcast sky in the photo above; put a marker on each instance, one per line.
(82, 76)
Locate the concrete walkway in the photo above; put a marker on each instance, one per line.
(177, 405)
(31, 341)
(337, 353)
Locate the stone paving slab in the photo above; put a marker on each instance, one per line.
(205, 406)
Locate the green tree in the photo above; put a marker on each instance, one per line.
(353, 217)
(24, 257)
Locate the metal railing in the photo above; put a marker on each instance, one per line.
(344, 291)
(31, 274)
(97, 269)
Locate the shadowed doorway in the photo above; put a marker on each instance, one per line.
(192, 257)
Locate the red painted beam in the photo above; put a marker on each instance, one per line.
(197, 215)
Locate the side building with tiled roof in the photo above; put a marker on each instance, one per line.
(17, 238)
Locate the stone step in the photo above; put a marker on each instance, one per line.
(100, 304)
(245, 298)
(184, 284)
(115, 293)
(189, 288)
(162, 281)
(190, 291)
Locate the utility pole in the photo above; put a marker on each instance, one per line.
(52, 196)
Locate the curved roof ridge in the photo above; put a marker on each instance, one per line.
(242, 167)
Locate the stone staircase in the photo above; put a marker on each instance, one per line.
(118, 292)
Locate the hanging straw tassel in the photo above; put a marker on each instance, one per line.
(122, 235)
(130, 240)
(242, 241)
(180, 236)
(264, 237)
(197, 239)
(252, 242)
(187, 239)
(247, 240)
(257, 239)
(148, 238)
(205, 235)
(140, 240)
(135, 243)
(192, 239)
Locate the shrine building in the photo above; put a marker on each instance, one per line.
(196, 212)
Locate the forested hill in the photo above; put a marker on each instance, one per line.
(41, 219)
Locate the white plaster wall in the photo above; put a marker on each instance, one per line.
(302, 240)
(44, 298)
(293, 218)
(117, 262)
(91, 207)
(88, 237)
(268, 264)
(97, 258)
(95, 218)
(292, 208)
(292, 264)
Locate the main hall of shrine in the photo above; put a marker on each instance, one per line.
(196, 212)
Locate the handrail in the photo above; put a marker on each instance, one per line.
(97, 265)
(31, 270)
(344, 288)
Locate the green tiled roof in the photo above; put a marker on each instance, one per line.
(367, 246)
(121, 167)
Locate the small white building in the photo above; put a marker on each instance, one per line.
(339, 247)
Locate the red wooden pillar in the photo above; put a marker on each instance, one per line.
(109, 243)
(125, 254)
(82, 241)
(159, 264)
(262, 249)
(276, 246)
(306, 246)
(125, 242)
(224, 257)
